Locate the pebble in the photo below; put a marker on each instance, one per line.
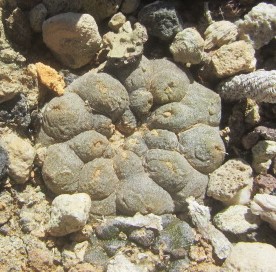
(37, 16)
(143, 237)
(265, 206)
(187, 47)
(72, 37)
(117, 21)
(253, 257)
(236, 219)
(69, 213)
(231, 183)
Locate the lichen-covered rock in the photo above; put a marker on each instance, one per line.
(72, 37)
(264, 205)
(187, 46)
(236, 219)
(231, 183)
(258, 85)
(37, 16)
(69, 213)
(161, 20)
(233, 58)
(21, 155)
(220, 33)
(258, 26)
(252, 257)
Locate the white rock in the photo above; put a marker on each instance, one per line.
(117, 21)
(231, 183)
(69, 213)
(236, 219)
(263, 153)
(253, 257)
(187, 46)
(265, 206)
(258, 26)
(21, 156)
(73, 38)
(122, 264)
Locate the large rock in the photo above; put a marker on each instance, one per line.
(72, 37)
(253, 257)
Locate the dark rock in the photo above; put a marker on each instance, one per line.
(27, 4)
(127, 123)
(143, 237)
(107, 231)
(179, 265)
(111, 247)
(161, 20)
(3, 162)
(96, 256)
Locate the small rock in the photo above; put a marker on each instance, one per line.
(73, 38)
(117, 21)
(265, 184)
(263, 153)
(253, 257)
(179, 265)
(37, 16)
(187, 46)
(122, 264)
(21, 156)
(107, 230)
(59, 6)
(69, 213)
(50, 78)
(236, 219)
(265, 206)
(111, 247)
(3, 162)
(161, 20)
(6, 207)
(234, 58)
(231, 183)
(129, 6)
(258, 26)
(220, 33)
(143, 237)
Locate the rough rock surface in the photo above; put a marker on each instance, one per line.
(253, 257)
(231, 183)
(37, 16)
(69, 213)
(117, 21)
(129, 6)
(72, 37)
(3, 162)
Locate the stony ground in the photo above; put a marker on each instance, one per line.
(137, 135)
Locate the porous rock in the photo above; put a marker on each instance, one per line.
(236, 219)
(21, 155)
(253, 257)
(233, 58)
(72, 37)
(231, 183)
(187, 46)
(265, 206)
(37, 16)
(69, 213)
(258, 26)
(161, 20)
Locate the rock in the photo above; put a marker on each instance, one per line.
(233, 58)
(263, 153)
(122, 264)
(252, 257)
(6, 207)
(117, 21)
(37, 16)
(21, 155)
(175, 239)
(236, 219)
(72, 37)
(61, 6)
(19, 23)
(231, 183)
(142, 194)
(3, 162)
(220, 33)
(187, 46)
(129, 6)
(265, 184)
(8, 90)
(83, 267)
(161, 20)
(27, 4)
(127, 123)
(258, 26)
(127, 45)
(69, 213)
(200, 216)
(265, 206)
(111, 247)
(179, 265)
(107, 230)
(96, 256)
(143, 237)
(50, 78)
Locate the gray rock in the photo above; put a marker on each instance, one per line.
(127, 123)
(206, 153)
(103, 125)
(104, 94)
(136, 144)
(143, 237)
(72, 37)
(37, 16)
(3, 162)
(141, 194)
(105, 206)
(129, 6)
(179, 265)
(61, 6)
(107, 231)
(161, 20)
(112, 247)
(122, 264)
(69, 213)
(252, 257)
(96, 256)
(175, 239)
